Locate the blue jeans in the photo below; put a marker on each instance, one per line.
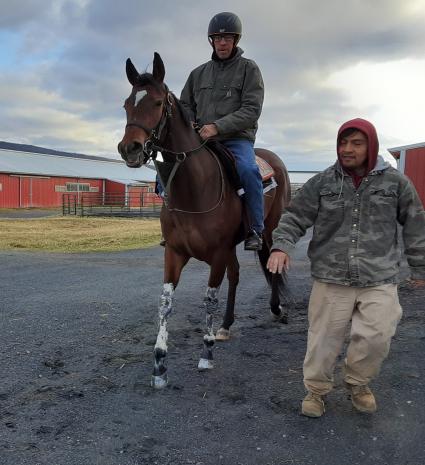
(243, 151)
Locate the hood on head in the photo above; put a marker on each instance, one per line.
(369, 130)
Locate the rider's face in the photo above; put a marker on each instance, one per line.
(223, 45)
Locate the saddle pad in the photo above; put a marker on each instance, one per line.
(266, 170)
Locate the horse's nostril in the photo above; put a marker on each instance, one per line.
(135, 147)
(121, 149)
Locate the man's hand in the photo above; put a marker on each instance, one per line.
(207, 131)
(417, 282)
(278, 261)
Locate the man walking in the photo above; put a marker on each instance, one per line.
(355, 207)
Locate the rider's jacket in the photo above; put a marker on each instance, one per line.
(229, 93)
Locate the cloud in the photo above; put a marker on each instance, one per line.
(63, 82)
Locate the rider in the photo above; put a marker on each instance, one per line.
(224, 97)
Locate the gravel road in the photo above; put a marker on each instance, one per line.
(77, 333)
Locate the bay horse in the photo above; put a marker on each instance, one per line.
(202, 214)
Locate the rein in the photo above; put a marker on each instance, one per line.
(222, 183)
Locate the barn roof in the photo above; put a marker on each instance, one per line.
(395, 151)
(42, 164)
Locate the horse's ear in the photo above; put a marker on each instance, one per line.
(132, 73)
(158, 68)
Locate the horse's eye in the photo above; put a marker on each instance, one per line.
(158, 103)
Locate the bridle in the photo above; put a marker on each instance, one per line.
(154, 134)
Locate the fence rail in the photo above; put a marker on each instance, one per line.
(133, 204)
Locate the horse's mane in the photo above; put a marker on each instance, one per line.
(147, 78)
(182, 110)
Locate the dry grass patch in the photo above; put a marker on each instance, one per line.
(78, 234)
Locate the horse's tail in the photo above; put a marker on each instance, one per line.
(282, 282)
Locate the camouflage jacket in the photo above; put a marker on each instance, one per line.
(227, 93)
(355, 239)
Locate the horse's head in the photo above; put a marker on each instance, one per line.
(146, 109)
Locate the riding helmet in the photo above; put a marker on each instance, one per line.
(225, 23)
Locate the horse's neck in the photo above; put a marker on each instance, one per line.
(199, 178)
(181, 137)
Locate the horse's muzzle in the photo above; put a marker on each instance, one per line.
(133, 154)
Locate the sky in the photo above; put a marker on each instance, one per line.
(63, 82)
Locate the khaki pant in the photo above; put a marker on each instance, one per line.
(374, 313)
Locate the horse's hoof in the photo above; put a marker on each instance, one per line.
(205, 364)
(281, 317)
(222, 334)
(159, 382)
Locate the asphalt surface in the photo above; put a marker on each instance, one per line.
(28, 213)
(77, 334)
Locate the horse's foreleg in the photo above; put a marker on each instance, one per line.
(174, 263)
(159, 376)
(223, 333)
(211, 304)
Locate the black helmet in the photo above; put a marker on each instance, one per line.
(225, 23)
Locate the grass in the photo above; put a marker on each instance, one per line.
(78, 234)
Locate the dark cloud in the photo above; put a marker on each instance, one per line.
(75, 50)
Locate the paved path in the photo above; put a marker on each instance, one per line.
(77, 333)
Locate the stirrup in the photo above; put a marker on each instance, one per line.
(254, 241)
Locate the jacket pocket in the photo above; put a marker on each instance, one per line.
(331, 211)
(383, 205)
(229, 98)
(331, 201)
(203, 93)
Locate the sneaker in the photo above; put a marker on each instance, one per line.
(313, 405)
(253, 241)
(362, 398)
(162, 242)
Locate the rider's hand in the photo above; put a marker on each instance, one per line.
(208, 130)
(278, 261)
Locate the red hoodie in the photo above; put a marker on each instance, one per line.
(368, 129)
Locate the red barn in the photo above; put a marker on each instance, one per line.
(29, 179)
(411, 162)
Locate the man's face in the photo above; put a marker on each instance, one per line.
(352, 152)
(223, 45)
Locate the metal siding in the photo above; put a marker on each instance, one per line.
(415, 169)
(33, 191)
(9, 195)
(112, 187)
(14, 162)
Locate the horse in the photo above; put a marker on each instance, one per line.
(202, 213)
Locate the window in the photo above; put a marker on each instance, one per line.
(77, 187)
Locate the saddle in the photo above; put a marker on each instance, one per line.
(229, 164)
(227, 160)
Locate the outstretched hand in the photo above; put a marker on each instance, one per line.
(278, 261)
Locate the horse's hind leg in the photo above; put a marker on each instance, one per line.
(211, 305)
(278, 311)
(223, 333)
(173, 265)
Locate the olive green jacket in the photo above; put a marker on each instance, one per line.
(355, 237)
(228, 93)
